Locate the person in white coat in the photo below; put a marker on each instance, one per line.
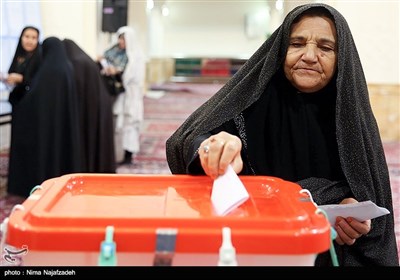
(128, 106)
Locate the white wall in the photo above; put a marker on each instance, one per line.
(80, 21)
(220, 28)
(75, 20)
(375, 28)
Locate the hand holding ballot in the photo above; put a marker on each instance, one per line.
(352, 219)
(361, 211)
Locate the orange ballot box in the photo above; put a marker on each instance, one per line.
(144, 220)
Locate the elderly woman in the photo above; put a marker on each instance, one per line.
(299, 110)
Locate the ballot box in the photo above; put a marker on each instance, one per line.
(144, 220)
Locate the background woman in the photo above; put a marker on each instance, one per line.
(128, 106)
(25, 64)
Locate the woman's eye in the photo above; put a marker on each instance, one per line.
(296, 45)
(326, 49)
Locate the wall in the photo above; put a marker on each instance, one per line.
(75, 20)
(375, 28)
(201, 28)
(385, 102)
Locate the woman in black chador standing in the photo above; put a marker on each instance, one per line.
(95, 112)
(25, 64)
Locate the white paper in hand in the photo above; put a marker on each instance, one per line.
(228, 192)
(360, 211)
(3, 77)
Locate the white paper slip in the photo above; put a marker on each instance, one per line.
(228, 192)
(3, 77)
(361, 211)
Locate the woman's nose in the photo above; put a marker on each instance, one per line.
(310, 52)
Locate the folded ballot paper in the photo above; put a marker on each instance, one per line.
(3, 77)
(360, 211)
(228, 192)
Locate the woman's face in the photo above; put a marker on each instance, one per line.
(30, 39)
(121, 41)
(312, 54)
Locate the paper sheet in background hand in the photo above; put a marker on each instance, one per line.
(361, 211)
(3, 77)
(228, 192)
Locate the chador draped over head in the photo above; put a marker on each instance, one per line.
(327, 141)
(26, 63)
(128, 107)
(95, 114)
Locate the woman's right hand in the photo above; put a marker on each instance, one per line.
(14, 78)
(218, 152)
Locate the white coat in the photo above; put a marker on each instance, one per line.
(128, 107)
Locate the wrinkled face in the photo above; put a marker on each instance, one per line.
(30, 39)
(312, 54)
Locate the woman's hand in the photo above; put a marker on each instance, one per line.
(349, 229)
(218, 151)
(14, 78)
(110, 70)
